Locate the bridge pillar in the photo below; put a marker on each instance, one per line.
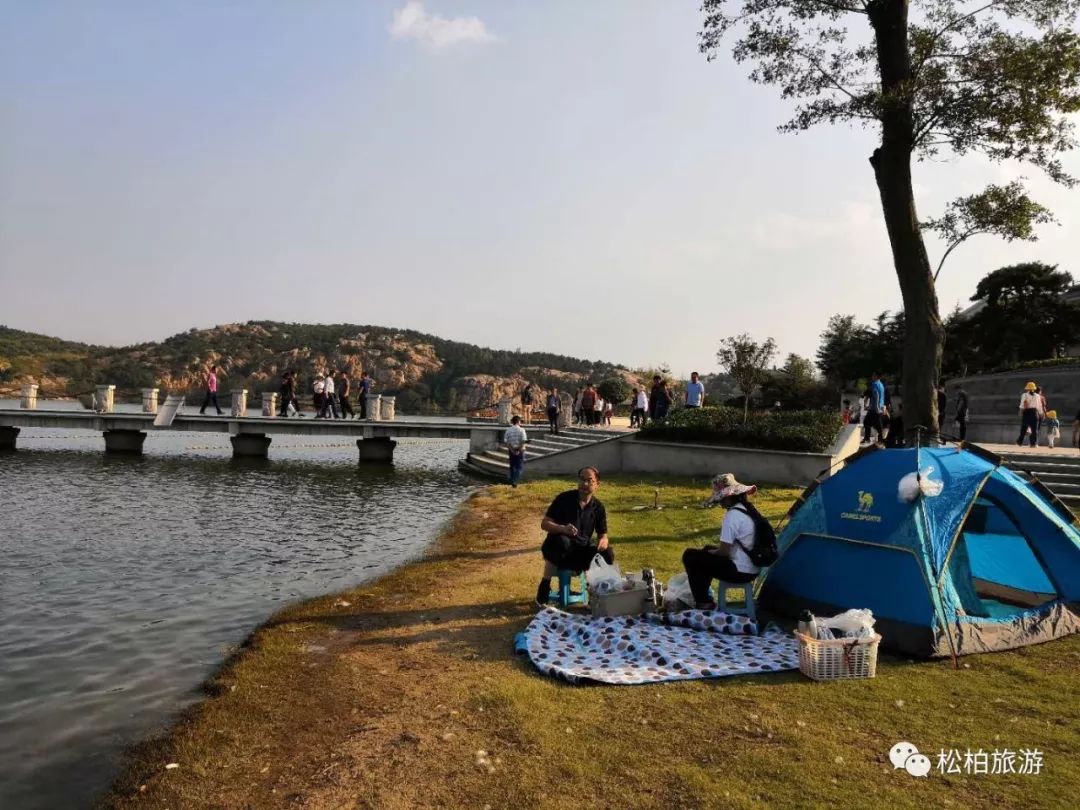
(28, 397)
(124, 441)
(269, 403)
(506, 410)
(374, 409)
(566, 409)
(239, 402)
(481, 440)
(378, 451)
(250, 445)
(104, 398)
(7, 438)
(149, 400)
(387, 409)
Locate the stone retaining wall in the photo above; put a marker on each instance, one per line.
(630, 454)
(994, 400)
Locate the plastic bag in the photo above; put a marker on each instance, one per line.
(603, 577)
(850, 623)
(677, 595)
(913, 485)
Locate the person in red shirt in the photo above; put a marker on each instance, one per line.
(211, 391)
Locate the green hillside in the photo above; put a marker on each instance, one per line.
(427, 372)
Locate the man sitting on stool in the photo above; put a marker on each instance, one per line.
(729, 561)
(570, 522)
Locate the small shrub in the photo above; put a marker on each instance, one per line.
(797, 431)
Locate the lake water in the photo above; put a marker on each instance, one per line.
(124, 582)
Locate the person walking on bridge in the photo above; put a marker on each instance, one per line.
(343, 386)
(365, 387)
(211, 392)
(330, 397)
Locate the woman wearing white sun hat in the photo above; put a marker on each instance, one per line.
(729, 561)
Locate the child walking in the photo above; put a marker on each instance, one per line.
(1053, 428)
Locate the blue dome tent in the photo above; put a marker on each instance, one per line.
(991, 563)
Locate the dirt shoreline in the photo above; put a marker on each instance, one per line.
(316, 691)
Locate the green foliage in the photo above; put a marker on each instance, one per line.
(851, 351)
(1024, 317)
(797, 431)
(1006, 211)
(747, 361)
(796, 387)
(999, 78)
(254, 352)
(614, 390)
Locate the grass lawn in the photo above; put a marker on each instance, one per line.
(382, 696)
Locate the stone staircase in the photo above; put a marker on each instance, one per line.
(494, 463)
(1060, 473)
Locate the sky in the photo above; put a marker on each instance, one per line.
(555, 176)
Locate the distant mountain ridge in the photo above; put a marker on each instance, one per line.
(427, 373)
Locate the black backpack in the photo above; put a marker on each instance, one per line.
(764, 551)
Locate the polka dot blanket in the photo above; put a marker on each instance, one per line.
(653, 647)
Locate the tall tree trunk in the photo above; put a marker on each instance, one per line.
(925, 335)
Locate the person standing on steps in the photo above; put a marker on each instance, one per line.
(571, 520)
(588, 400)
(962, 413)
(1030, 409)
(527, 403)
(211, 392)
(553, 409)
(515, 440)
(873, 412)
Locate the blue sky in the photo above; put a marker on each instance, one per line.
(564, 176)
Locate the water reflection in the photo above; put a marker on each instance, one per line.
(125, 580)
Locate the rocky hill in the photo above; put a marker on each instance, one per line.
(428, 374)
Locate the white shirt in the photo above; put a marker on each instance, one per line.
(598, 405)
(515, 437)
(1031, 400)
(739, 526)
(328, 385)
(643, 400)
(318, 387)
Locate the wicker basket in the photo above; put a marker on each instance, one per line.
(835, 659)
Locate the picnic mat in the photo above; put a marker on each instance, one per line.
(653, 647)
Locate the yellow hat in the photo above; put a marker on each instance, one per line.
(1030, 386)
(1051, 414)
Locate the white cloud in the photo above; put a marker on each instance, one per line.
(413, 21)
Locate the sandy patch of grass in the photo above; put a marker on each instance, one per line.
(386, 701)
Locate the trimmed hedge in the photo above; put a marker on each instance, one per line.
(796, 431)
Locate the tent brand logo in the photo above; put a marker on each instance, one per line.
(905, 755)
(863, 509)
